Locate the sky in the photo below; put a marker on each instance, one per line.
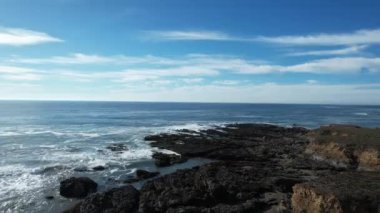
(296, 51)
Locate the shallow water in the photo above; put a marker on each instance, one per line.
(42, 143)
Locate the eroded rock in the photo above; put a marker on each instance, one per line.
(343, 192)
(346, 146)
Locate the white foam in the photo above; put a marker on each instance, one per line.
(193, 126)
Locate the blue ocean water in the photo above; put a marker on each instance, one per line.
(43, 142)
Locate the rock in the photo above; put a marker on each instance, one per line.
(346, 146)
(98, 168)
(124, 199)
(81, 169)
(216, 187)
(343, 192)
(117, 147)
(233, 142)
(141, 175)
(162, 159)
(77, 187)
(49, 197)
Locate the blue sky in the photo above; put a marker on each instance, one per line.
(204, 51)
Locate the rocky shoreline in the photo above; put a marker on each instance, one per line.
(257, 168)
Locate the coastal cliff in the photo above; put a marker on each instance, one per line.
(258, 168)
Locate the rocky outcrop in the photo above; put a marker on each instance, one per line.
(256, 171)
(124, 200)
(162, 159)
(77, 187)
(343, 192)
(258, 168)
(220, 187)
(346, 146)
(234, 142)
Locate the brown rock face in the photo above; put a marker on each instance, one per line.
(344, 192)
(346, 146)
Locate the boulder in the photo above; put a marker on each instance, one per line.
(124, 200)
(162, 159)
(77, 187)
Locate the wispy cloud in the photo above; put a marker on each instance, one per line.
(260, 93)
(343, 51)
(80, 58)
(355, 38)
(191, 35)
(359, 37)
(19, 73)
(22, 37)
(197, 66)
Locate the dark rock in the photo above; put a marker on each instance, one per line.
(52, 169)
(124, 200)
(141, 175)
(117, 147)
(98, 168)
(216, 187)
(162, 159)
(233, 142)
(49, 197)
(77, 187)
(81, 169)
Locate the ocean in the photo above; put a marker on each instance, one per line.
(42, 143)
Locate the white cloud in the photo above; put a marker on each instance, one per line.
(190, 35)
(227, 82)
(261, 93)
(322, 66)
(359, 37)
(312, 81)
(21, 37)
(80, 58)
(355, 38)
(343, 51)
(192, 80)
(19, 73)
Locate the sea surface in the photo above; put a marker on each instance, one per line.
(42, 143)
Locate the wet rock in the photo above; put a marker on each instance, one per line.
(117, 147)
(81, 169)
(343, 192)
(98, 168)
(162, 159)
(52, 169)
(124, 199)
(141, 175)
(233, 142)
(49, 197)
(77, 187)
